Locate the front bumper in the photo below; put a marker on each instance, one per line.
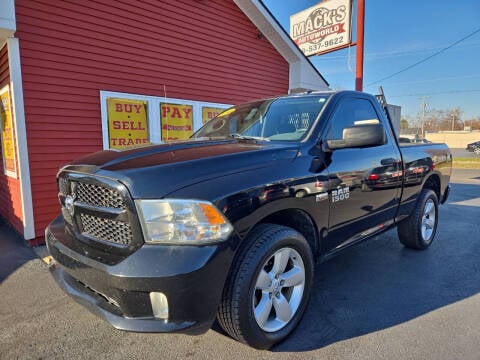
(191, 277)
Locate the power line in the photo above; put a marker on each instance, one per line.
(437, 93)
(388, 54)
(427, 58)
(436, 79)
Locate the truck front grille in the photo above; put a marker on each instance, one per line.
(100, 211)
(66, 216)
(63, 185)
(99, 196)
(106, 229)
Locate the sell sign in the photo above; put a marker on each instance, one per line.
(8, 137)
(176, 120)
(208, 113)
(127, 123)
(323, 27)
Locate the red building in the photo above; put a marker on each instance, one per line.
(74, 74)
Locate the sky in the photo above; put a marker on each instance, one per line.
(399, 34)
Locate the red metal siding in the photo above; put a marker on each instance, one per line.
(4, 70)
(10, 196)
(200, 50)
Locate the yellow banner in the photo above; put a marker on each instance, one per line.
(208, 113)
(176, 120)
(127, 123)
(8, 137)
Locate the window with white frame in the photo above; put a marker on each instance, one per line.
(130, 120)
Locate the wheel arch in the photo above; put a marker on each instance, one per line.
(433, 183)
(300, 221)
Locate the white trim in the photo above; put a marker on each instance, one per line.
(23, 170)
(153, 108)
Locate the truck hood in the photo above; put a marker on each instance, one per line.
(156, 171)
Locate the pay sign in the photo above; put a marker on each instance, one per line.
(177, 122)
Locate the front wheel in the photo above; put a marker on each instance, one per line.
(418, 230)
(269, 286)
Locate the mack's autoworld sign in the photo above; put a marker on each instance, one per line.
(323, 27)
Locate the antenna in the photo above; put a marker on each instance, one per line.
(165, 104)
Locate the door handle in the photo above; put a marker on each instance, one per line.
(389, 161)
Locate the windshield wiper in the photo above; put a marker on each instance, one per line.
(245, 137)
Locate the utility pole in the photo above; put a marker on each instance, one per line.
(424, 105)
(359, 50)
(453, 121)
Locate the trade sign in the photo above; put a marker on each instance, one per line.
(323, 27)
(127, 123)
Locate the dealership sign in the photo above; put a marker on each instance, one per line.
(323, 27)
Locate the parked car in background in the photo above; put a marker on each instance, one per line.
(474, 147)
(415, 139)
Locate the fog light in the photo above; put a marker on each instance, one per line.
(159, 305)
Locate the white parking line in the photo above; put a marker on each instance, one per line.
(469, 202)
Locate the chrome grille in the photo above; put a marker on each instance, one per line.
(63, 186)
(100, 209)
(106, 229)
(66, 216)
(98, 196)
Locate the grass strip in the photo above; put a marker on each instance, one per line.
(466, 162)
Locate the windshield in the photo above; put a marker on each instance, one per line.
(286, 119)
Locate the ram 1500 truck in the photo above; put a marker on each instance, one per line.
(230, 223)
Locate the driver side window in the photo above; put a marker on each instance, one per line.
(350, 112)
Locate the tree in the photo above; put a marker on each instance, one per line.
(443, 120)
(403, 124)
(455, 116)
(474, 123)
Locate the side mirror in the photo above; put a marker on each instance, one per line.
(359, 136)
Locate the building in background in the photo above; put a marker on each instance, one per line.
(78, 77)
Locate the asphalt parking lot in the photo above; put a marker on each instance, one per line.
(462, 153)
(375, 301)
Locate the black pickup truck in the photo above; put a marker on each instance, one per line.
(230, 223)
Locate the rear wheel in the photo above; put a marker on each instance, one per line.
(269, 286)
(418, 230)
(300, 193)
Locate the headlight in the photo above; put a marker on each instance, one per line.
(171, 221)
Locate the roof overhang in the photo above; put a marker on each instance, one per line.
(303, 76)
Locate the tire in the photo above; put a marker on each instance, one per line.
(418, 230)
(300, 193)
(366, 188)
(252, 286)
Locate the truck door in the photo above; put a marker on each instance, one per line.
(366, 193)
